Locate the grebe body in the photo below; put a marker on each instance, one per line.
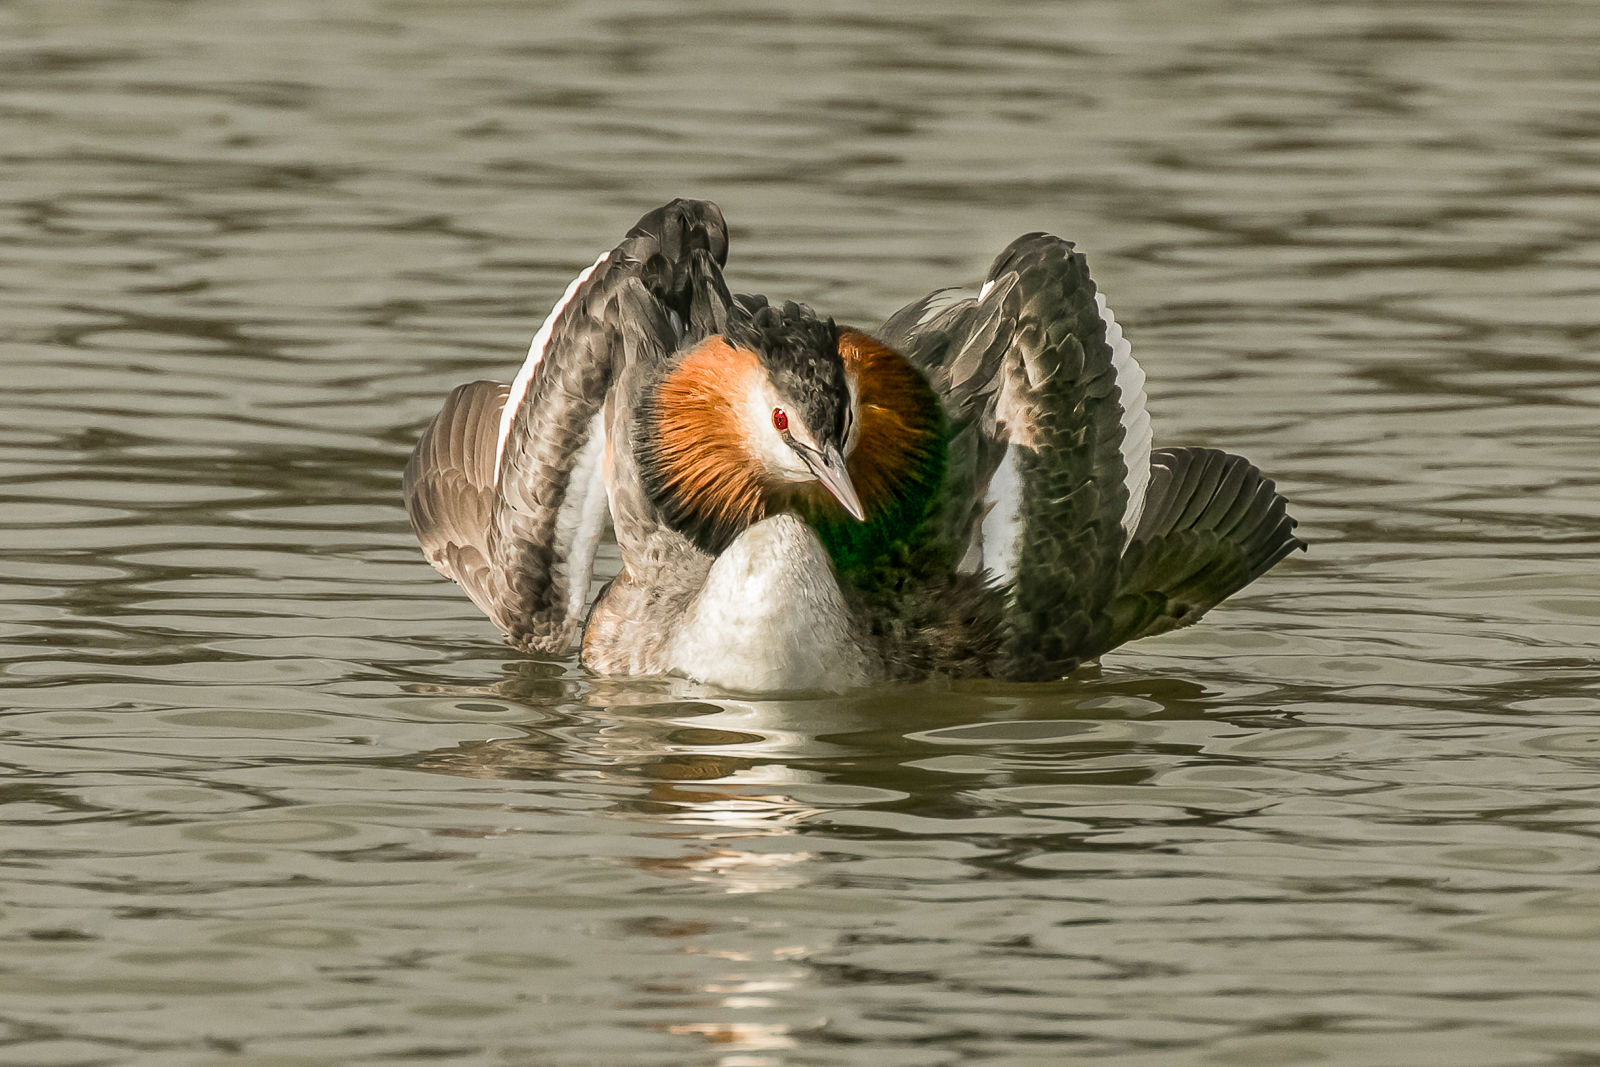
(971, 489)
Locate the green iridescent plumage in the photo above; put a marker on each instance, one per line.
(854, 546)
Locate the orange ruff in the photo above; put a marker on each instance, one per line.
(700, 434)
(898, 416)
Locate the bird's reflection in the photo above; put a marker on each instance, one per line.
(714, 771)
(742, 777)
(756, 796)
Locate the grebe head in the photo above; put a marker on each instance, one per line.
(806, 400)
(743, 419)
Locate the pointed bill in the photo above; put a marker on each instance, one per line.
(828, 466)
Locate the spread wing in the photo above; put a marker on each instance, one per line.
(449, 487)
(1212, 524)
(1054, 487)
(505, 489)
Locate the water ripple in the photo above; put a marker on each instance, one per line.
(261, 761)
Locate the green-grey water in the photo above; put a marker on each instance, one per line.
(277, 796)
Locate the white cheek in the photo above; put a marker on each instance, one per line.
(788, 464)
(783, 461)
(776, 458)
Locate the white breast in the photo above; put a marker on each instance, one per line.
(770, 617)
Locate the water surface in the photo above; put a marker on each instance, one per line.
(277, 795)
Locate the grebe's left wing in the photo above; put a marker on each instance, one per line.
(1054, 487)
(505, 489)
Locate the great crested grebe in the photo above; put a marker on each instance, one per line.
(970, 490)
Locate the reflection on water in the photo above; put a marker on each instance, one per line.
(276, 795)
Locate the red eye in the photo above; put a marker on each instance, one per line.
(780, 421)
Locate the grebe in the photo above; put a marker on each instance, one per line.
(971, 489)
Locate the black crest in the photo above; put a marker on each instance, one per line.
(800, 354)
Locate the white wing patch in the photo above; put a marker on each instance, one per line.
(1002, 519)
(1136, 437)
(582, 519)
(519, 384)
